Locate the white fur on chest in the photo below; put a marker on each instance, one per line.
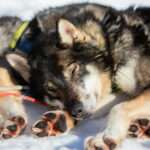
(125, 77)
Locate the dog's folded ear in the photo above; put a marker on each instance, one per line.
(68, 33)
(19, 63)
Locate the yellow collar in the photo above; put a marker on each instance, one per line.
(18, 34)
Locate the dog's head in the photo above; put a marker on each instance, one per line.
(67, 69)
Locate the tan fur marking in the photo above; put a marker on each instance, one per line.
(5, 79)
(93, 33)
(106, 84)
(139, 106)
(70, 121)
(6, 102)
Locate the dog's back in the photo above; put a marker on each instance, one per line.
(144, 13)
(8, 26)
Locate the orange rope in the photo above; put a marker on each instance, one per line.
(24, 97)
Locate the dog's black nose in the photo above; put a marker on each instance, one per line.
(77, 110)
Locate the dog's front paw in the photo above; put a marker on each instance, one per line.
(52, 123)
(100, 142)
(140, 128)
(13, 128)
(113, 132)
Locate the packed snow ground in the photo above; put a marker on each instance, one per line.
(26, 9)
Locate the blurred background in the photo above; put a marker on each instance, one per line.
(26, 9)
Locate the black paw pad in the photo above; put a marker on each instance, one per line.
(110, 143)
(98, 148)
(143, 122)
(112, 146)
(148, 132)
(133, 128)
(19, 119)
(12, 128)
(42, 134)
(106, 140)
(61, 124)
(133, 135)
(6, 136)
(50, 116)
(53, 134)
(41, 125)
(22, 131)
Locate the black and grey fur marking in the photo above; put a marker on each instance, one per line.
(100, 41)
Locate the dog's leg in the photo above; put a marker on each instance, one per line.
(52, 123)
(13, 118)
(118, 122)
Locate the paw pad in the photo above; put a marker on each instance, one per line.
(6, 136)
(42, 134)
(41, 125)
(110, 143)
(12, 128)
(52, 123)
(61, 124)
(50, 116)
(105, 144)
(140, 128)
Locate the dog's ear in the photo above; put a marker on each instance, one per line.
(35, 28)
(68, 33)
(19, 63)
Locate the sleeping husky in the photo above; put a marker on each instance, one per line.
(74, 66)
(13, 118)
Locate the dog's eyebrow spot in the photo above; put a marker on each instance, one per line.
(50, 85)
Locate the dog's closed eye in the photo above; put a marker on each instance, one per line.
(72, 70)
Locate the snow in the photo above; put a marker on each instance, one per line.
(26, 9)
